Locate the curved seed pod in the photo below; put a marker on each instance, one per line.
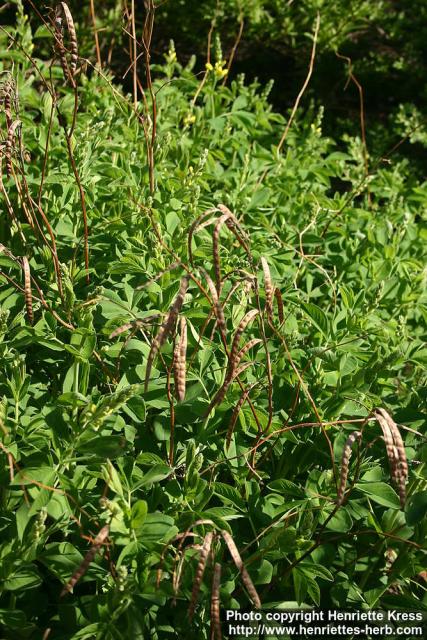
(27, 289)
(279, 300)
(247, 318)
(389, 443)
(215, 605)
(248, 346)
(203, 558)
(59, 44)
(395, 451)
(139, 322)
(7, 89)
(215, 250)
(268, 286)
(235, 414)
(9, 146)
(218, 310)
(81, 570)
(220, 394)
(179, 361)
(166, 327)
(74, 54)
(246, 579)
(206, 223)
(345, 464)
(235, 227)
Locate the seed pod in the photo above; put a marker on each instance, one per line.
(215, 604)
(345, 464)
(166, 327)
(218, 310)
(87, 560)
(69, 71)
(247, 318)
(268, 286)
(220, 394)
(179, 361)
(203, 558)
(139, 322)
(235, 227)
(235, 414)
(72, 35)
(248, 346)
(27, 289)
(6, 92)
(246, 579)
(9, 146)
(395, 451)
(279, 300)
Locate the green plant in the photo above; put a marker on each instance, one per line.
(301, 283)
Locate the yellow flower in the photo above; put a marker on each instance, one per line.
(220, 72)
(189, 119)
(209, 67)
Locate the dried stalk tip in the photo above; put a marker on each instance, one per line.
(345, 461)
(395, 452)
(203, 558)
(279, 300)
(179, 361)
(246, 579)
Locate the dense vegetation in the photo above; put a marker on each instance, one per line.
(205, 305)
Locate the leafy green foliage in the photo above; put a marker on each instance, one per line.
(84, 446)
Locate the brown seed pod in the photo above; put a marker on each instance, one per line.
(203, 558)
(9, 146)
(268, 286)
(395, 451)
(235, 414)
(235, 227)
(139, 322)
(87, 560)
(166, 327)
(246, 579)
(69, 70)
(215, 604)
(218, 310)
(247, 318)
(248, 346)
(356, 435)
(279, 300)
(27, 289)
(220, 394)
(7, 90)
(179, 361)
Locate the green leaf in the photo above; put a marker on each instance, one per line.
(24, 578)
(416, 508)
(317, 316)
(381, 493)
(138, 514)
